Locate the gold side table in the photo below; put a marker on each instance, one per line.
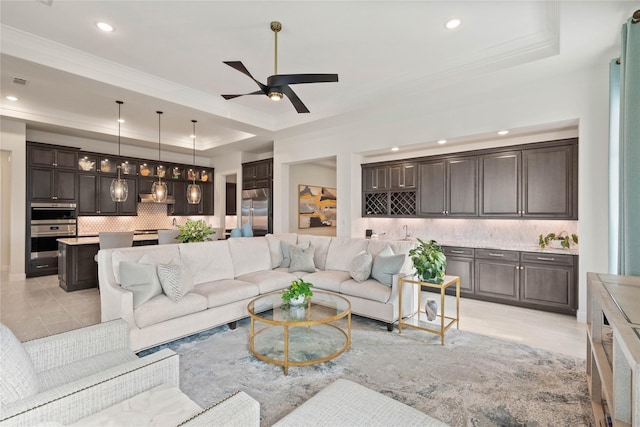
(419, 320)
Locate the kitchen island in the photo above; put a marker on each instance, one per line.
(77, 268)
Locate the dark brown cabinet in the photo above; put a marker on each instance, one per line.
(500, 184)
(257, 174)
(460, 262)
(389, 190)
(53, 157)
(402, 176)
(231, 199)
(51, 184)
(182, 207)
(375, 178)
(77, 268)
(497, 274)
(94, 196)
(448, 187)
(548, 281)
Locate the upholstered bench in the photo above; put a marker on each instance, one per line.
(345, 403)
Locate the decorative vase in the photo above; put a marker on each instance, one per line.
(299, 300)
(431, 308)
(297, 312)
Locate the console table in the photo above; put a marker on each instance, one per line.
(613, 349)
(419, 320)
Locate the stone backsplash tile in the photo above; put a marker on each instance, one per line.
(150, 217)
(471, 231)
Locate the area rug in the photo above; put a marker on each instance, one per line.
(472, 380)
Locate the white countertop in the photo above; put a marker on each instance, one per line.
(511, 247)
(93, 240)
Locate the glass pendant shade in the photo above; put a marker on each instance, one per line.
(159, 188)
(119, 189)
(194, 194)
(159, 191)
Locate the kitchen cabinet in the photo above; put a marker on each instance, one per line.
(448, 187)
(52, 184)
(182, 207)
(231, 199)
(51, 156)
(77, 268)
(402, 176)
(94, 196)
(497, 274)
(460, 262)
(375, 178)
(531, 183)
(548, 280)
(257, 174)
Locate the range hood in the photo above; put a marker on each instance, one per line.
(148, 198)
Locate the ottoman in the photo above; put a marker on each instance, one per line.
(345, 403)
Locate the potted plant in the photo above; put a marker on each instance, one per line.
(297, 292)
(429, 261)
(563, 238)
(194, 231)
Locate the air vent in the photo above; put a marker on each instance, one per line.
(47, 2)
(19, 81)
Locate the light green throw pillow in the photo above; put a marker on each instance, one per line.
(141, 279)
(302, 259)
(385, 265)
(360, 268)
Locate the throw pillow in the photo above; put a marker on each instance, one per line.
(286, 257)
(175, 280)
(246, 230)
(18, 379)
(302, 259)
(141, 279)
(385, 265)
(360, 269)
(236, 232)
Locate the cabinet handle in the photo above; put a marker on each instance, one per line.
(541, 258)
(98, 211)
(42, 266)
(444, 212)
(55, 198)
(492, 254)
(453, 251)
(55, 164)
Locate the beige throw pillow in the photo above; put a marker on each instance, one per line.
(302, 259)
(360, 269)
(286, 261)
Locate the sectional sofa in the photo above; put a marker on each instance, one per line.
(225, 275)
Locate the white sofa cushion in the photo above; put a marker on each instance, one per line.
(369, 289)
(160, 308)
(207, 261)
(269, 281)
(342, 251)
(161, 254)
(221, 292)
(329, 280)
(249, 254)
(321, 245)
(275, 248)
(17, 375)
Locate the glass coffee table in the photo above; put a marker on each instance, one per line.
(286, 335)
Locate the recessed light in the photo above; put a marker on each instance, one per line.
(394, 149)
(503, 132)
(104, 27)
(453, 23)
(442, 141)
(120, 120)
(12, 98)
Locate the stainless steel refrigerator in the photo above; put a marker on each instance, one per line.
(256, 210)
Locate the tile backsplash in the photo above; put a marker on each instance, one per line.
(150, 217)
(471, 231)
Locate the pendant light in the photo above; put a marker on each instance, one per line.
(159, 188)
(119, 189)
(193, 190)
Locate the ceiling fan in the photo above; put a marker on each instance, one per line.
(278, 84)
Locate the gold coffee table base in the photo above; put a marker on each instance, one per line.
(419, 320)
(299, 336)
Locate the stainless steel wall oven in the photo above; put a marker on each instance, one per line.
(49, 222)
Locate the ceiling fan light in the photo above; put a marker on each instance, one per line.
(275, 96)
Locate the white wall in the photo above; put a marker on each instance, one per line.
(13, 140)
(309, 174)
(579, 96)
(5, 209)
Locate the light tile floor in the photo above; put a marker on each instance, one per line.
(38, 307)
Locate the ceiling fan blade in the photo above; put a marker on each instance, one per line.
(297, 103)
(258, 92)
(237, 65)
(292, 79)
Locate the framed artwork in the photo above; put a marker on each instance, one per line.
(316, 206)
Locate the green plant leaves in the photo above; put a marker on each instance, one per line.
(297, 287)
(194, 231)
(429, 261)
